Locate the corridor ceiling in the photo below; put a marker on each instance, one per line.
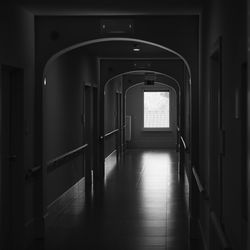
(124, 49)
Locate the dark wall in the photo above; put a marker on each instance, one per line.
(134, 108)
(227, 200)
(248, 124)
(17, 50)
(63, 123)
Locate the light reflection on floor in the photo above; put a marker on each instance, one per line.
(141, 207)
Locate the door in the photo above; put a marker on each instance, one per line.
(216, 140)
(118, 124)
(12, 170)
(244, 151)
(88, 125)
(95, 143)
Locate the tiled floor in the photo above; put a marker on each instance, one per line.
(142, 206)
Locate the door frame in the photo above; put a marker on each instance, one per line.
(216, 203)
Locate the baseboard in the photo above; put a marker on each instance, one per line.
(110, 155)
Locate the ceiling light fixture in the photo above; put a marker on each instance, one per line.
(136, 49)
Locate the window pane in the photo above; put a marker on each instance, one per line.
(156, 109)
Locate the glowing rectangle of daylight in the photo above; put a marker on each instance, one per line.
(156, 109)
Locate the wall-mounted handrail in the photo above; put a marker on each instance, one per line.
(58, 161)
(109, 134)
(31, 172)
(181, 140)
(218, 228)
(184, 143)
(201, 188)
(220, 233)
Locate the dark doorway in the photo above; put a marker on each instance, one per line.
(95, 134)
(12, 169)
(88, 125)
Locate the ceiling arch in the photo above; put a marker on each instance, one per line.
(113, 39)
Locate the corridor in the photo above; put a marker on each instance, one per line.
(125, 125)
(142, 206)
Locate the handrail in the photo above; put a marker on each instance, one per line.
(220, 233)
(58, 161)
(183, 142)
(202, 190)
(218, 228)
(31, 172)
(110, 133)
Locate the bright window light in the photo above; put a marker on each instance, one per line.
(156, 109)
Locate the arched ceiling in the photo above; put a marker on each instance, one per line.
(124, 49)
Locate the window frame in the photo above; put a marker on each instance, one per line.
(154, 89)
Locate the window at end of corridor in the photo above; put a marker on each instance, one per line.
(156, 110)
